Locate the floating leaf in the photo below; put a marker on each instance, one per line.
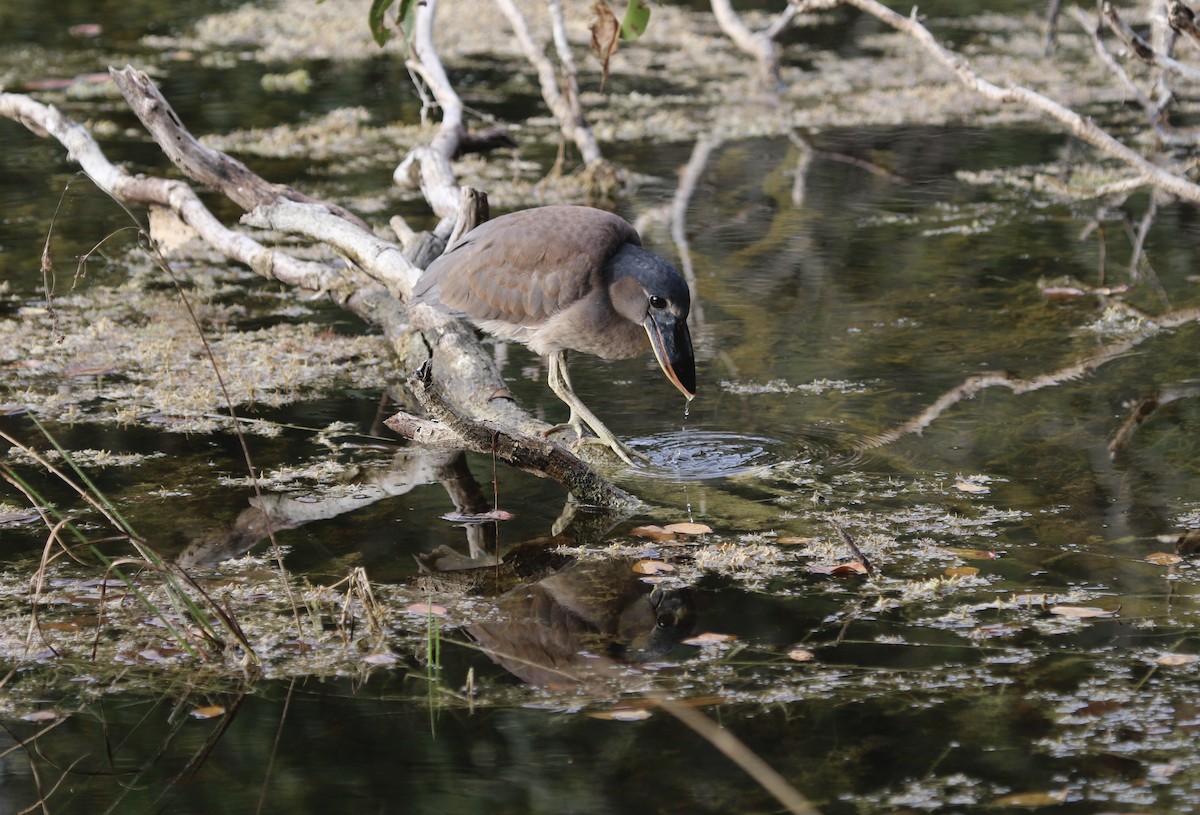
(688, 528)
(623, 714)
(380, 659)
(1161, 772)
(652, 567)
(995, 630)
(962, 571)
(971, 486)
(208, 712)
(1176, 660)
(478, 517)
(1062, 292)
(652, 532)
(1031, 799)
(1163, 558)
(852, 569)
(793, 540)
(974, 554)
(709, 638)
(426, 608)
(801, 655)
(1081, 612)
(39, 716)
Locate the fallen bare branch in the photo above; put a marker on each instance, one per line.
(175, 195)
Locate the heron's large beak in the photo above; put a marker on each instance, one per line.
(672, 344)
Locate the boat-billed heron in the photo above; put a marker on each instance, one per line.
(568, 278)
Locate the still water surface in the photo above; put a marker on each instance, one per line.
(828, 320)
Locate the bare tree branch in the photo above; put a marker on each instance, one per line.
(175, 195)
(1079, 126)
(759, 44)
(1142, 49)
(428, 167)
(562, 101)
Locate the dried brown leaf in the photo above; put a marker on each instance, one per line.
(974, 554)
(426, 608)
(652, 532)
(623, 714)
(688, 528)
(652, 567)
(709, 638)
(1163, 558)
(1176, 660)
(1062, 292)
(39, 716)
(605, 33)
(970, 486)
(209, 712)
(961, 571)
(1031, 799)
(852, 569)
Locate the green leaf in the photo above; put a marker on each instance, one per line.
(378, 25)
(407, 15)
(637, 16)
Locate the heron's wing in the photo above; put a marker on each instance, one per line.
(523, 267)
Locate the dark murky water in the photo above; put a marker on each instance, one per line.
(952, 680)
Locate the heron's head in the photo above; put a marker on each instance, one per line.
(647, 290)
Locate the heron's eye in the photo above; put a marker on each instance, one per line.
(657, 302)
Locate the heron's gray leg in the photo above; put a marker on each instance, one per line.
(560, 382)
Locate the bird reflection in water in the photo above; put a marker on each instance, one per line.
(583, 623)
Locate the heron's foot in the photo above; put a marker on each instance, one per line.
(607, 439)
(572, 427)
(626, 453)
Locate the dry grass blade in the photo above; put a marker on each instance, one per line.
(845, 538)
